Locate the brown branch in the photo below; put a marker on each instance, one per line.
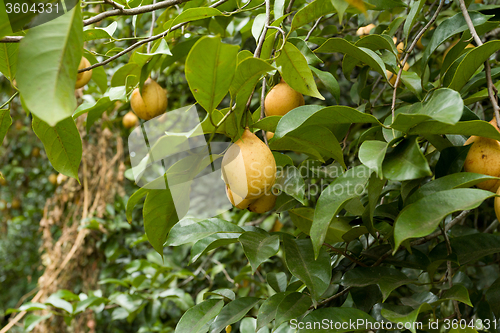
(487, 68)
(331, 298)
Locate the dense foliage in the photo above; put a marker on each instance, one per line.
(376, 219)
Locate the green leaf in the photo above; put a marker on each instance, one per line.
(259, 247)
(62, 144)
(268, 309)
(422, 217)
(472, 127)
(268, 123)
(189, 231)
(310, 140)
(277, 281)
(349, 185)
(212, 242)
(445, 106)
(314, 115)
(448, 28)
(5, 122)
(372, 153)
(415, 11)
(362, 54)
(406, 161)
(340, 6)
(100, 33)
(248, 73)
(292, 183)
(469, 248)
(159, 217)
(59, 303)
(470, 63)
(311, 12)
(5, 28)
(316, 273)
(386, 278)
(193, 14)
(492, 296)
(303, 217)
(311, 58)
(293, 67)
(133, 201)
(233, 312)
(50, 54)
(210, 67)
(8, 59)
(329, 81)
(407, 319)
(32, 320)
(457, 293)
(292, 306)
(197, 319)
(456, 180)
(32, 307)
(336, 317)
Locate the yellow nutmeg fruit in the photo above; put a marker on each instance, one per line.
(236, 200)
(484, 158)
(282, 99)
(269, 135)
(263, 204)
(130, 120)
(84, 77)
(151, 103)
(392, 78)
(53, 179)
(365, 30)
(248, 167)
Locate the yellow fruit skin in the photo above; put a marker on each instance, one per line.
(497, 205)
(53, 179)
(248, 167)
(84, 77)
(236, 200)
(484, 158)
(269, 135)
(153, 101)
(392, 77)
(365, 30)
(130, 120)
(420, 46)
(263, 204)
(282, 99)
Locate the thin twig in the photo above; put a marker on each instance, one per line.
(313, 28)
(10, 99)
(262, 38)
(487, 68)
(331, 298)
(354, 260)
(153, 18)
(263, 108)
(114, 4)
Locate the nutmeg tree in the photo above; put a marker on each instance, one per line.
(360, 152)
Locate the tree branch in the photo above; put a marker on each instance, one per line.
(487, 68)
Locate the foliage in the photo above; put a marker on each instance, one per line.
(377, 220)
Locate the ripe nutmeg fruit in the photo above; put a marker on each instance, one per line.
(151, 103)
(484, 158)
(84, 77)
(130, 120)
(282, 99)
(248, 167)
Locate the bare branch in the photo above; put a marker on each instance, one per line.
(114, 4)
(11, 39)
(315, 25)
(262, 38)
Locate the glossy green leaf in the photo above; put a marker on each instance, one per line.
(292, 306)
(362, 54)
(211, 242)
(469, 64)
(468, 248)
(100, 33)
(457, 293)
(445, 106)
(268, 309)
(349, 185)
(210, 68)
(8, 59)
(268, 123)
(303, 217)
(386, 278)
(406, 161)
(277, 281)
(293, 67)
(193, 14)
(415, 11)
(5, 122)
(314, 115)
(159, 217)
(311, 12)
(311, 58)
(456, 180)
(329, 81)
(472, 127)
(301, 262)
(336, 317)
(372, 153)
(448, 28)
(62, 144)
(248, 73)
(5, 28)
(50, 54)
(198, 318)
(233, 312)
(422, 217)
(259, 247)
(32, 320)
(189, 231)
(493, 295)
(407, 319)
